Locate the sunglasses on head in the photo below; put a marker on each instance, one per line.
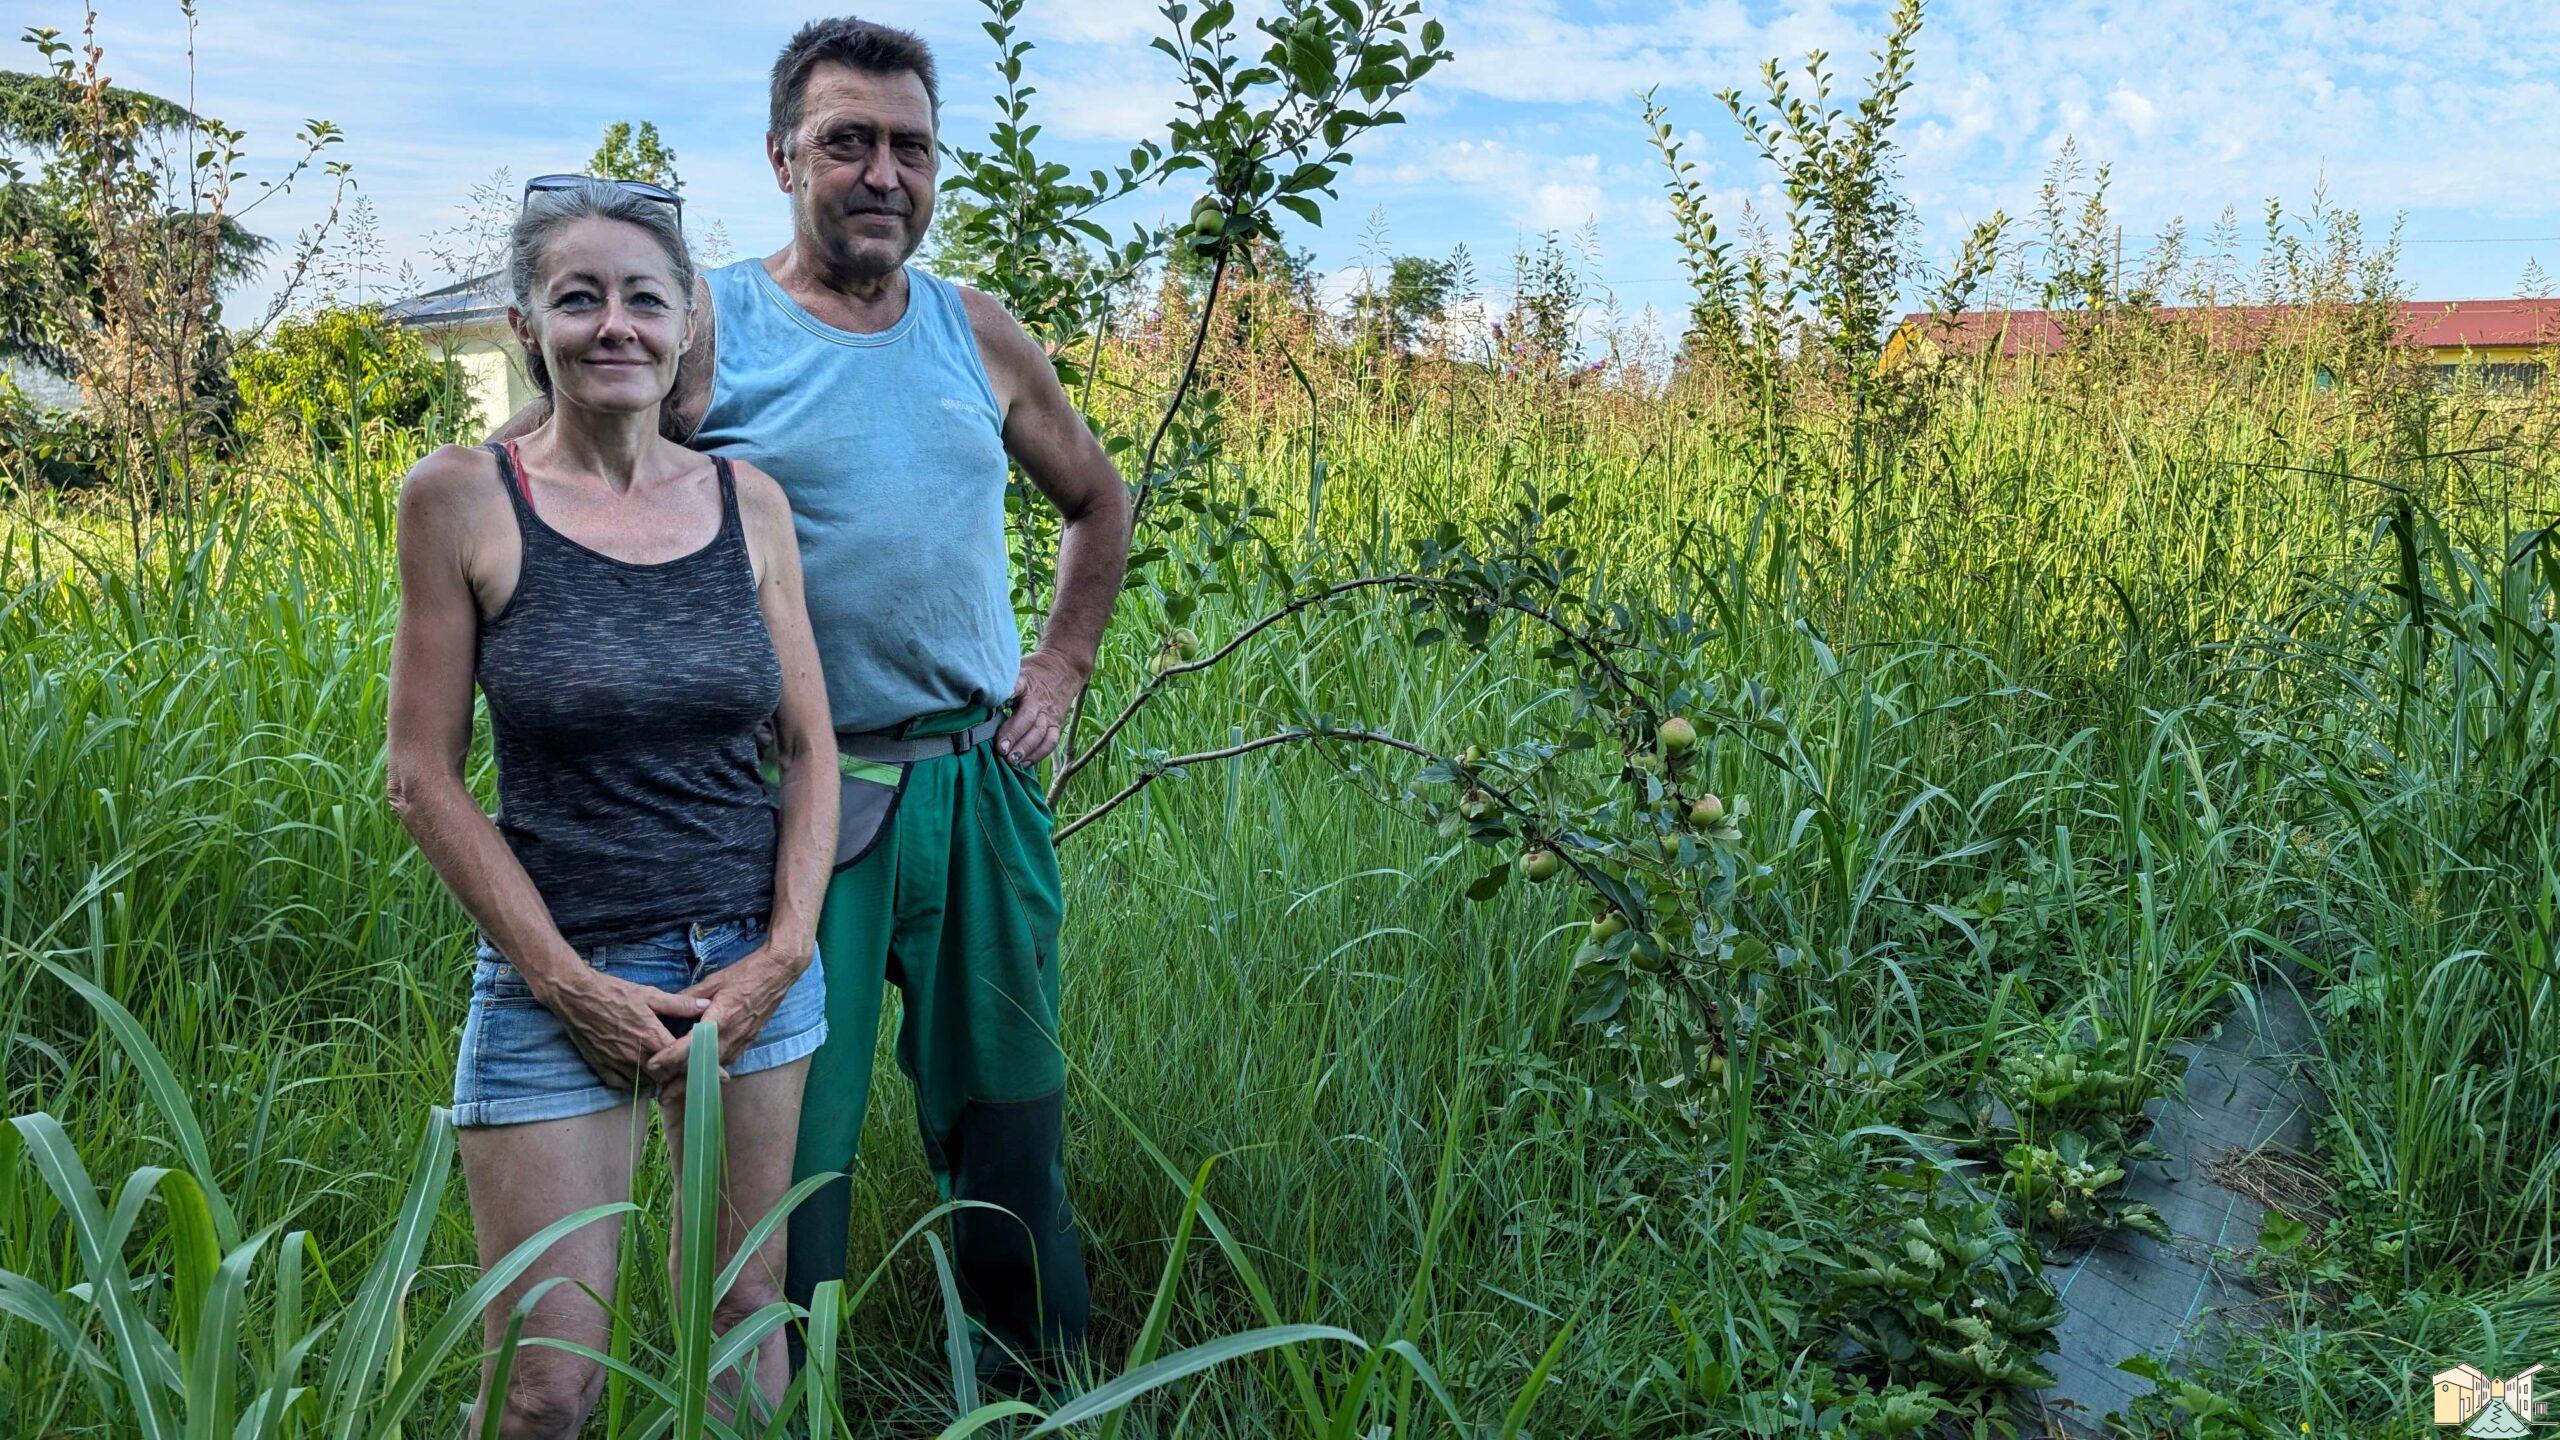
(642, 188)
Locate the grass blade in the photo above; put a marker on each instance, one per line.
(826, 1311)
(365, 1340)
(109, 1290)
(465, 1312)
(209, 1369)
(955, 1333)
(1103, 1399)
(698, 1227)
(167, 1093)
(1160, 1310)
(984, 1416)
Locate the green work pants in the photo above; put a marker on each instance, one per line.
(958, 905)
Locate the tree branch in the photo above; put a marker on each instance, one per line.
(1161, 768)
(1155, 686)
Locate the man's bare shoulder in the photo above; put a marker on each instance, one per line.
(1000, 336)
(706, 316)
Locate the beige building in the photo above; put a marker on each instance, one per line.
(2518, 1390)
(2462, 1390)
(467, 323)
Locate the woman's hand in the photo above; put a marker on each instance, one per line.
(618, 1026)
(739, 998)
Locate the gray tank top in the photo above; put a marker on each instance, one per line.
(623, 706)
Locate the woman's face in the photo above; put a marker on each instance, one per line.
(607, 317)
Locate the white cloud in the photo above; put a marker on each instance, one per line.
(2138, 114)
(2196, 104)
(1084, 99)
(1108, 22)
(1562, 206)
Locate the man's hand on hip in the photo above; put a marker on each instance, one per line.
(1042, 700)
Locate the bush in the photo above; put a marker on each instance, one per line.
(43, 449)
(339, 374)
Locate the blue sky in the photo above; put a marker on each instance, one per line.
(2444, 113)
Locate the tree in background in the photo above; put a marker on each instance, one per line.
(118, 252)
(338, 376)
(1266, 258)
(48, 256)
(630, 152)
(1406, 312)
(1539, 331)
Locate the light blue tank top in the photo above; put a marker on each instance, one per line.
(890, 447)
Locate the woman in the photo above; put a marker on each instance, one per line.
(633, 613)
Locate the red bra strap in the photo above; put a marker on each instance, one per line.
(524, 486)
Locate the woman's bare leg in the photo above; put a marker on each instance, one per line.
(522, 1178)
(761, 1115)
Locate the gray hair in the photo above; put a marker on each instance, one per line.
(548, 212)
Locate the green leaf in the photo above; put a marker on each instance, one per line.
(26, 1300)
(1490, 883)
(101, 1254)
(1104, 1399)
(419, 1366)
(366, 1337)
(1608, 997)
(217, 1343)
(167, 1095)
(698, 1230)
(956, 1349)
(1142, 1351)
(984, 1416)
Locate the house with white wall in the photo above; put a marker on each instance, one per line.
(466, 322)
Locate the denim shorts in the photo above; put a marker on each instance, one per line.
(518, 1063)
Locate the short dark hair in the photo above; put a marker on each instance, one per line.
(847, 40)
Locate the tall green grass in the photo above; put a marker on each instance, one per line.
(2115, 714)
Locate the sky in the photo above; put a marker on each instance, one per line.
(2439, 115)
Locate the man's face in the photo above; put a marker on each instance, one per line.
(860, 169)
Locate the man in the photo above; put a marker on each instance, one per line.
(886, 401)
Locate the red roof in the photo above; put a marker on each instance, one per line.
(2435, 324)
